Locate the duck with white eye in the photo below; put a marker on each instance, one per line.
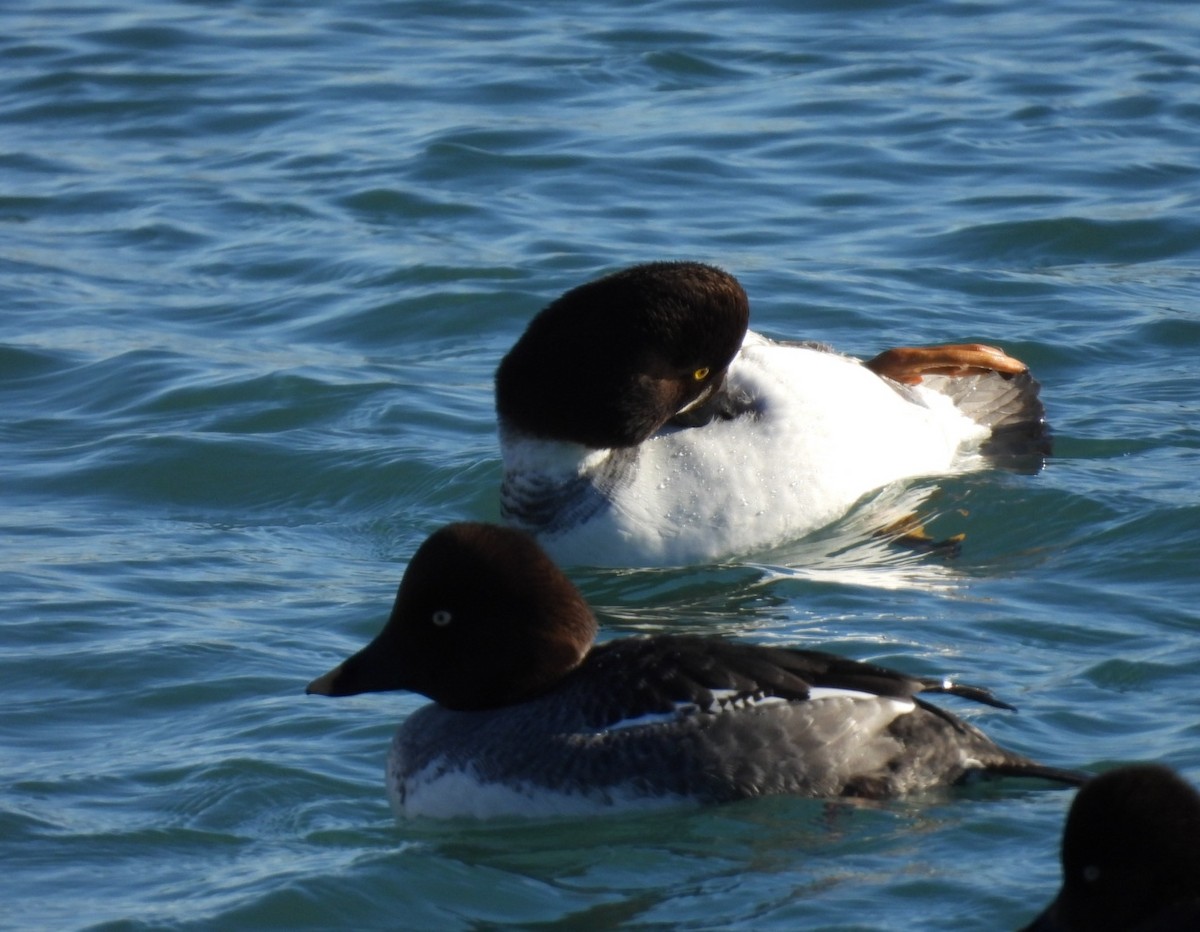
(641, 423)
(530, 717)
(1130, 856)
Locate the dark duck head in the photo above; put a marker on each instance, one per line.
(610, 362)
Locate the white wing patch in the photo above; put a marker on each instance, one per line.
(730, 700)
(817, 693)
(724, 700)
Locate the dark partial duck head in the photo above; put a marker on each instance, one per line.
(612, 361)
(1130, 856)
(483, 618)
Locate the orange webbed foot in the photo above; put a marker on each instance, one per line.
(910, 533)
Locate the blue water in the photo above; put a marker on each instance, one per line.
(259, 262)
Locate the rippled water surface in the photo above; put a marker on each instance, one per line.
(259, 263)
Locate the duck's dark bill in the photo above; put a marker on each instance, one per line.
(325, 684)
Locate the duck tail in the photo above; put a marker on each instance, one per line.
(1023, 767)
(1011, 407)
(987, 385)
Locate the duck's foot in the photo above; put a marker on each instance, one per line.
(910, 534)
(907, 364)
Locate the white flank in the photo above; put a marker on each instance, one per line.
(436, 794)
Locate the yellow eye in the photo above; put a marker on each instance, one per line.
(700, 374)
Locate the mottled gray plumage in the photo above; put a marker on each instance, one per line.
(526, 707)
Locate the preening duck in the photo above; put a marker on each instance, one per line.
(641, 423)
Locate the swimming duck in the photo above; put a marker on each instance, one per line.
(1130, 856)
(530, 717)
(641, 423)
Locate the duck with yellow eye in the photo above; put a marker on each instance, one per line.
(642, 423)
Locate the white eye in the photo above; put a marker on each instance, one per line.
(441, 618)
